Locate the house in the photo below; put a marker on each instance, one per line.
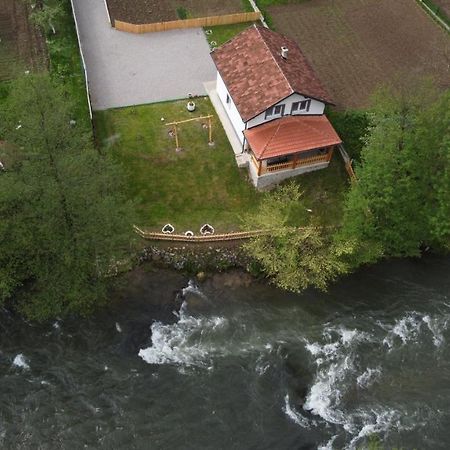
(275, 104)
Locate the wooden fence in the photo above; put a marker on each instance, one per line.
(234, 236)
(211, 21)
(348, 163)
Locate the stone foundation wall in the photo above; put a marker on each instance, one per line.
(271, 179)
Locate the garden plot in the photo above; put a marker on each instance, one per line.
(355, 45)
(152, 11)
(21, 45)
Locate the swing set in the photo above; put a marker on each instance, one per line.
(175, 125)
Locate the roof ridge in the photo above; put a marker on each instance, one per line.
(304, 61)
(272, 137)
(273, 57)
(245, 30)
(313, 126)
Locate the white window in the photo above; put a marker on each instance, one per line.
(279, 109)
(269, 112)
(301, 106)
(275, 111)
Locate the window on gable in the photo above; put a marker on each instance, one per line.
(274, 111)
(301, 106)
(279, 109)
(305, 105)
(269, 112)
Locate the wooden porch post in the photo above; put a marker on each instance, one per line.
(177, 146)
(210, 130)
(330, 152)
(295, 162)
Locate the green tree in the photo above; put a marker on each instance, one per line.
(46, 14)
(64, 224)
(293, 257)
(401, 201)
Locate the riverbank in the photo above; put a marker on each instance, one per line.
(192, 259)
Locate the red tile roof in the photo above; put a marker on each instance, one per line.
(257, 76)
(291, 134)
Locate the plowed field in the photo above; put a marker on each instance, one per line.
(21, 45)
(356, 45)
(151, 11)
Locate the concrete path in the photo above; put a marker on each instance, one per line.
(131, 69)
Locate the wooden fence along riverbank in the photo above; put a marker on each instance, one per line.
(235, 236)
(220, 237)
(211, 21)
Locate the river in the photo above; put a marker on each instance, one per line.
(235, 364)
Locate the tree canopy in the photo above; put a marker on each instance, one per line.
(399, 205)
(294, 257)
(64, 223)
(401, 202)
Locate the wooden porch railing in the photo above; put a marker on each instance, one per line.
(297, 163)
(277, 167)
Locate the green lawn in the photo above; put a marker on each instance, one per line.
(199, 184)
(224, 33)
(324, 191)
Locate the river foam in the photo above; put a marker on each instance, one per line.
(21, 361)
(180, 343)
(337, 358)
(293, 414)
(338, 372)
(410, 329)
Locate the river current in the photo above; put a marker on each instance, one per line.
(234, 364)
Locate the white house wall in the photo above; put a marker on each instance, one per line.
(230, 108)
(315, 108)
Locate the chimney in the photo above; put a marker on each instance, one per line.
(284, 52)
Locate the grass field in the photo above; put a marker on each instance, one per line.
(356, 45)
(217, 36)
(195, 186)
(200, 184)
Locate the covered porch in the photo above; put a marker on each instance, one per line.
(292, 161)
(289, 146)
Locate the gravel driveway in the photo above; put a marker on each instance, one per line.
(127, 69)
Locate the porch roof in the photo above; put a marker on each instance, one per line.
(291, 134)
